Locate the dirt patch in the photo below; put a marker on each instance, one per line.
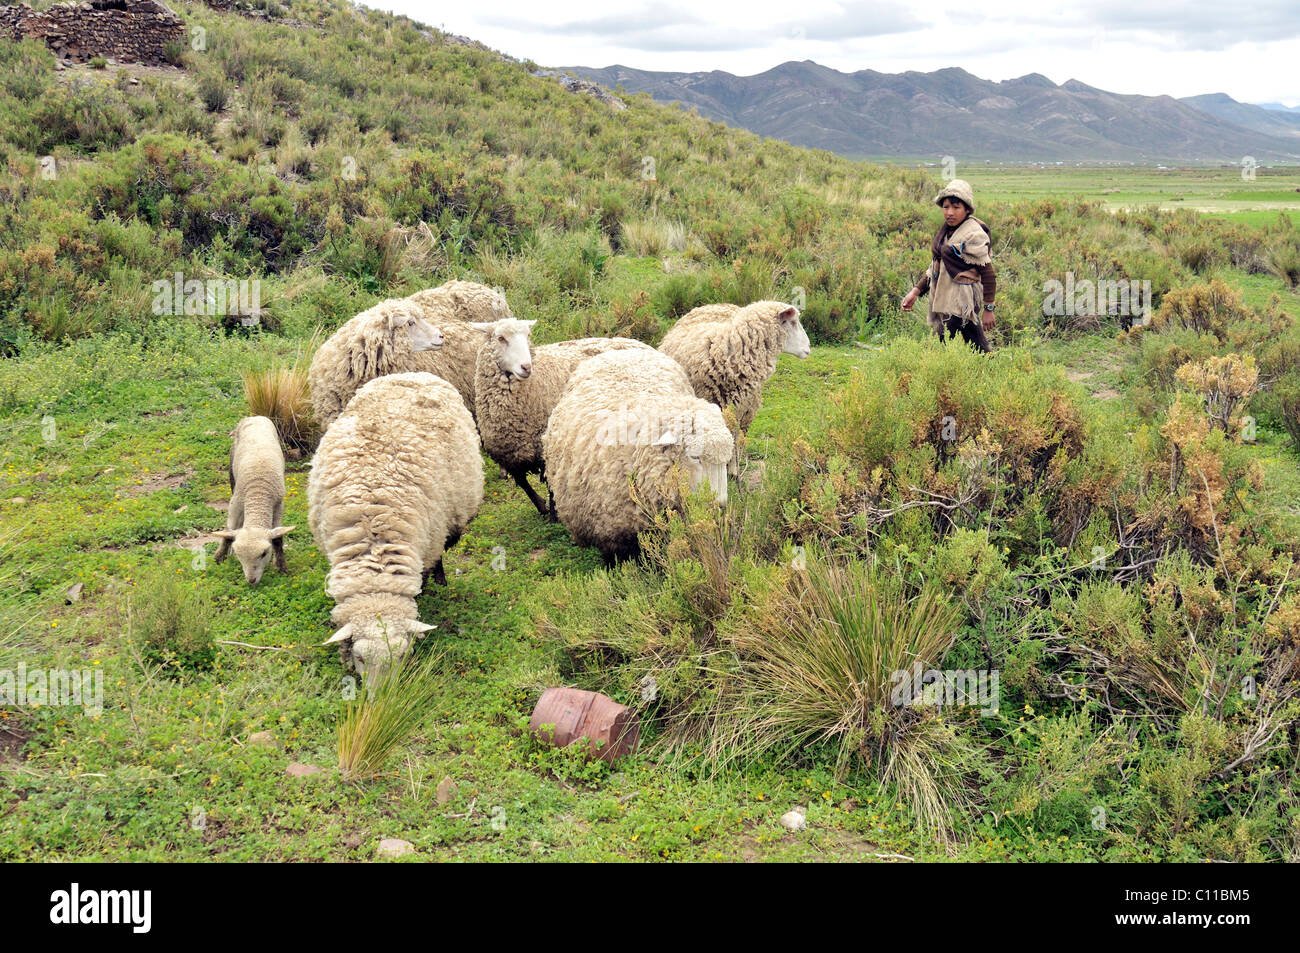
(751, 478)
(1077, 376)
(170, 412)
(192, 543)
(1108, 393)
(12, 739)
(153, 482)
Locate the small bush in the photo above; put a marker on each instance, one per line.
(172, 620)
(214, 94)
(98, 62)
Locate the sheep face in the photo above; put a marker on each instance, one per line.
(376, 642)
(796, 338)
(420, 334)
(703, 455)
(252, 547)
(511, 347)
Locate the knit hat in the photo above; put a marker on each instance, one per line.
(957, 189)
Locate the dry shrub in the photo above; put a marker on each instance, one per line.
(1225, 384)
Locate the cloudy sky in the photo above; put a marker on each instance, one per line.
(1240, 47)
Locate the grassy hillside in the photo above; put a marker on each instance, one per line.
(1109, 518)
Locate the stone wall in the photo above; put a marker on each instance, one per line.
(128, 31)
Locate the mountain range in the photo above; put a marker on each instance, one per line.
(951, 111)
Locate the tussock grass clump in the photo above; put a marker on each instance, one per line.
(284, 395)
(387, 712)
(820, 667)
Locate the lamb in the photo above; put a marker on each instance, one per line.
(256, 499)
(448, 307)
(729, 352)
(517, 387)
(385, 339)
(626, 422)
(397, 478)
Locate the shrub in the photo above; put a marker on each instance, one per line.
(214, 93)
(172, 621)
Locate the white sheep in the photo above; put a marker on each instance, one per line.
(729, 352)
(516, 388)
(449, 307)
(396, 479)
(385, 339)
(256, 499)
(626, 426)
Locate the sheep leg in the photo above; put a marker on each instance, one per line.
(439, 576)
(521, 478)
(551, 515)
(234, 520)
(277, 544)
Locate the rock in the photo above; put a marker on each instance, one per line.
(352, 841)
(298, 770)
(73, 593)
(446, 790)
(266, 740)
(395, 847)
(18, 500)
(794, 819)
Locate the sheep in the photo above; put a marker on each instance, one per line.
(729, 352)
(256, 499)
(625, 423)
(516, 388)
(448, 307)
(395, 481)
(385, 339)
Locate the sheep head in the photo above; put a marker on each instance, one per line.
(252, 547)
(511, 346)
(703, 446)
(796, 338)
(419, 333)
(375, 643)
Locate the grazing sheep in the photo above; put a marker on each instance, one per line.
(729, 352)
(396, 479)
(517, 387)
(447, 308)
(385, 339)
(626, 422)
(256, 499)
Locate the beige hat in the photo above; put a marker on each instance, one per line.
(957, 189)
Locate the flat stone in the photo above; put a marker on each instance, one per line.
(297, 770)
(266, 740)
(446, 790)
(794, 820)
(395, 847)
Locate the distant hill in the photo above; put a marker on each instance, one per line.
(950, 111)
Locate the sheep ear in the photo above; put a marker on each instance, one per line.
(340, 635)
(667, 440)
(419, 628)
(225, 534)
(531, 323)
(281, 531)
(789, 315)
(483, 326)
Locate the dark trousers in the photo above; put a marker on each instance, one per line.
(972, 332)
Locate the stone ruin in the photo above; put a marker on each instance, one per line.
(127, 31)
